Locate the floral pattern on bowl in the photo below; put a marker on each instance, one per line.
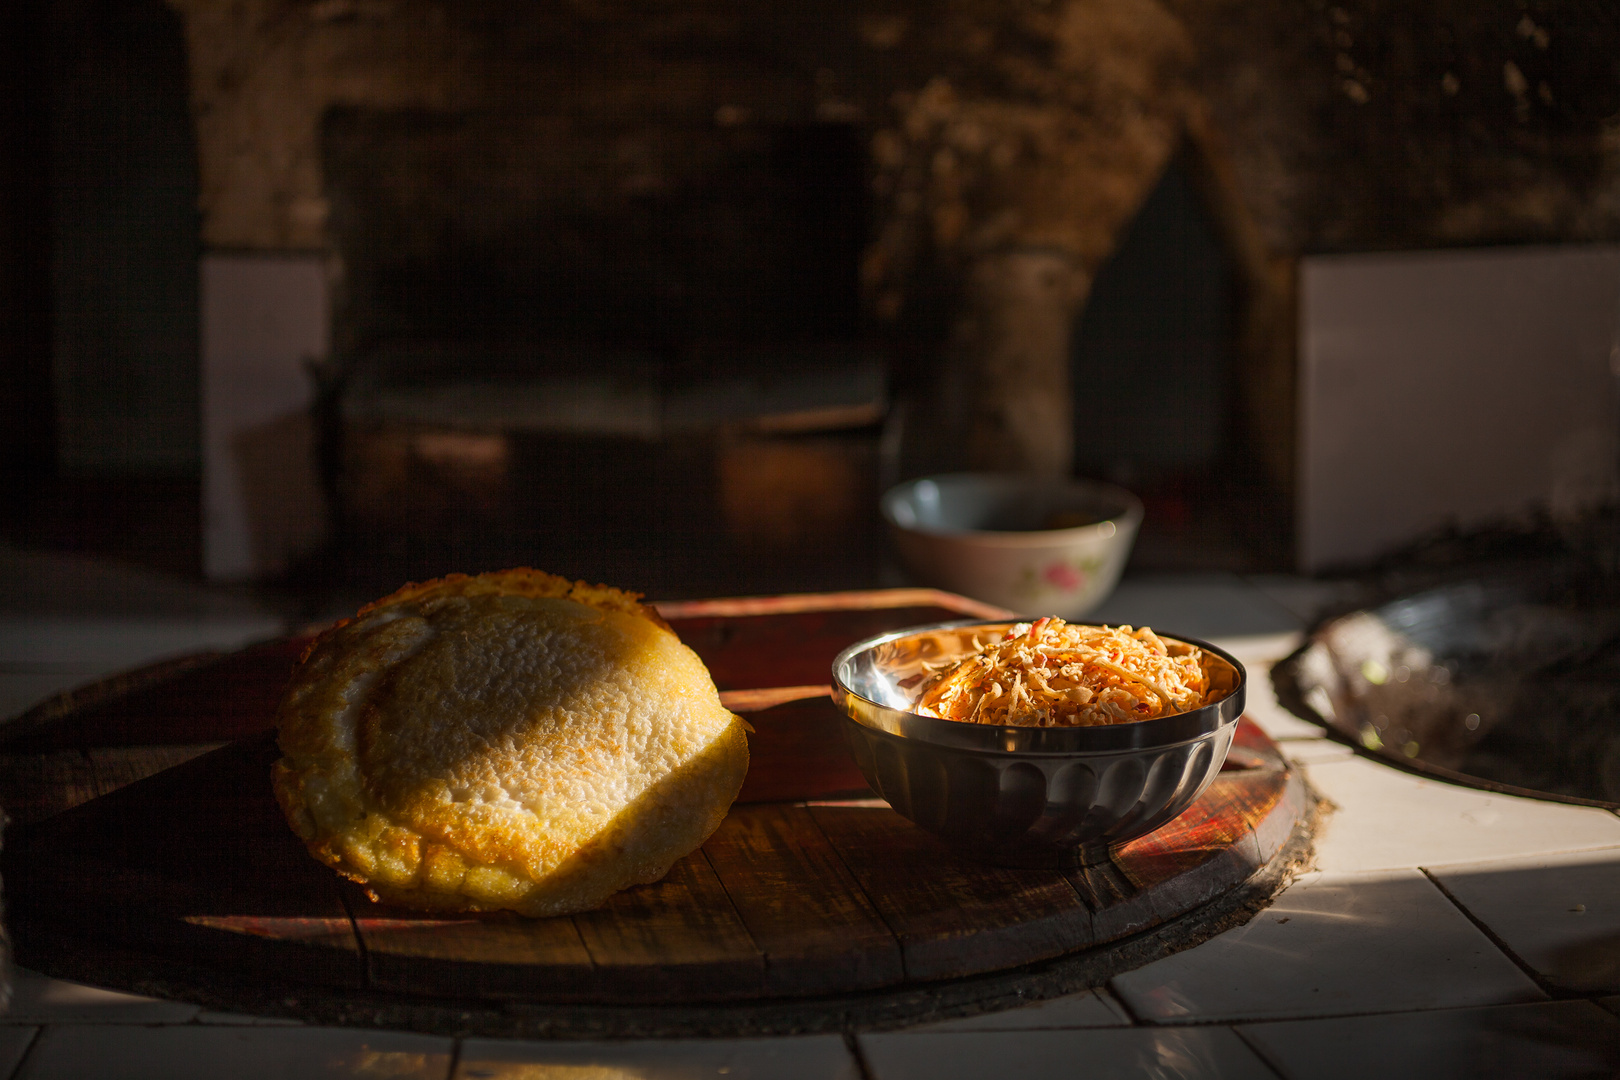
(1062, 576)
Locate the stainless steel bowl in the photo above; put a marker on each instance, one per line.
(1023, 796)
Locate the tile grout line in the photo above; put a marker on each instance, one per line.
(852, 1043)
(1491, 936)
(1105, 994)
(22, 1062)
(1124, 1003)
(1590, 849)
(1253, 1020)
(1259, 1052)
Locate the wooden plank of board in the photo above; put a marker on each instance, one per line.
(500, 955)
(952, 916)
(817, 929)
(34, 787)
(37, 786)
(198, 862)
(676, 940)
(1277, 827)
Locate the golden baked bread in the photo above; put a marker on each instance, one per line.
(511, 740)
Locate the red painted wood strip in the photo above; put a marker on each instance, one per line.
(220, 698)
(798, 603)
(797, 752)
(749, 701)
(794, 649)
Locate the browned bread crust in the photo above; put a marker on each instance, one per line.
(510, 740)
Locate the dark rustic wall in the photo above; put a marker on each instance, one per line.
(27, 402)
(1375, 124)
(516, 234)
(1389, 125)
(1010, 142)
(125, 241)
(1152, 350)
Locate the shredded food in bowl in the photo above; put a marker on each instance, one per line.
(1051, 674)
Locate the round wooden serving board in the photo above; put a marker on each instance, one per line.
(810, 888)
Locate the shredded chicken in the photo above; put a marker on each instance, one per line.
(1051, 674)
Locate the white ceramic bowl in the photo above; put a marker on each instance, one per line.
(987, 535)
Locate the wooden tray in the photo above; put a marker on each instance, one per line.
(807, 889)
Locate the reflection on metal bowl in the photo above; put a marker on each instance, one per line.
(1024, 796)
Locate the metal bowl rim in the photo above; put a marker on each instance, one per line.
(1160, 733)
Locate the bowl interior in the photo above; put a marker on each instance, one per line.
(990, 502)
(880, 679)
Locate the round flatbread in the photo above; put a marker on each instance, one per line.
(512, 740)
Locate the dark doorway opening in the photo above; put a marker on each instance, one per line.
(1154, 369)
(102, 342)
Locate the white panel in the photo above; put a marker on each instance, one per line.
(1459, 386)
(263, 317)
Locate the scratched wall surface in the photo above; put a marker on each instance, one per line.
(1361, 123)
(1008, 145)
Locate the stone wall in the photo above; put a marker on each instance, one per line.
(1010, 142)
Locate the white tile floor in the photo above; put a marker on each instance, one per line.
(199, 1052)
(1388, 820)
(1198, 605)
(1091, 1008)
(1314, 751)
(1364, 967)
(36, 999)
(1333, 944)
(1559, 914)
(805, 1057)
(1101, 1053)
(1545, 1041)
